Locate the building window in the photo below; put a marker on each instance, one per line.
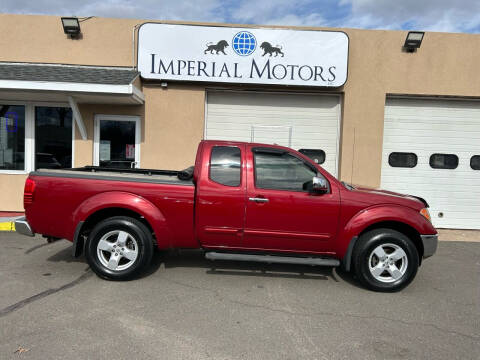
(402, 159)
(281, 171)
(316, 155)
(475, 162)
(225, 164)
(53, 137)
(444, 161)
(12, 137)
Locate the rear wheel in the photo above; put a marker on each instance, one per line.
(119, 248)
(385, 260)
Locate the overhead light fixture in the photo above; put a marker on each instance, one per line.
(71, 26)
(413, 40)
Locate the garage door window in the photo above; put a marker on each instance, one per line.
(444, 161)
(402, 159)
(475, 162)
(225, 165)
(316, 155)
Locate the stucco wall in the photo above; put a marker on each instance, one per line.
(445, 65)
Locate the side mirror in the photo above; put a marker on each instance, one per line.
(319, 185)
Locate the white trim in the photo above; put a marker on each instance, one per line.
(96, 135)
(103, 89)
(77, 117)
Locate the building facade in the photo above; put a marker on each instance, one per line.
(130, 93)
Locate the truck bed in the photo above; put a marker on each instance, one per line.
(129, 175)
(63, 197)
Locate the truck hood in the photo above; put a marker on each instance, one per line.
(385, 196)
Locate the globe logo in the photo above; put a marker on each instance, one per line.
(244, 43)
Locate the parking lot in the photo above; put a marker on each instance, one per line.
(186, 307)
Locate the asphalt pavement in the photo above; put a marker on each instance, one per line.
(185, 307)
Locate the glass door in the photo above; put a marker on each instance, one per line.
(117, 141)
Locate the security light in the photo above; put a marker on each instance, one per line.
(413, 40)
(71, 26)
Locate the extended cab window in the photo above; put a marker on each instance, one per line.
(281, 171)
(225, 165)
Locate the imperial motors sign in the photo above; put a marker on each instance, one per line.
(242, 55)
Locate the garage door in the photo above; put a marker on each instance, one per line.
(431, 148)
(300, 121)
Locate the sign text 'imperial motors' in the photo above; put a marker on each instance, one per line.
(236, 55)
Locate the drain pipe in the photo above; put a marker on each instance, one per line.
(134, 63)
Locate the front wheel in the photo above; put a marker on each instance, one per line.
(119, 248)
(385, 260)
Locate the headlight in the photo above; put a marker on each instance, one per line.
(426, 214)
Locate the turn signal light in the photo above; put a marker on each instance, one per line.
(426, 214)
(28, 192)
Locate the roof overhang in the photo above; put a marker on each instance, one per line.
(58, 82)
(21, 90)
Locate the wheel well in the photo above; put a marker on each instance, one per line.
(405, 229)
(103, 214)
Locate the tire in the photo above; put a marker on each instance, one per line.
(376, 268)
(119, 248)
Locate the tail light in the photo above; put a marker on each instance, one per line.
(28, 192)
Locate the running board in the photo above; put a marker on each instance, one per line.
(273, 259)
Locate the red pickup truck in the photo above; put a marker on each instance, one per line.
(241, 201)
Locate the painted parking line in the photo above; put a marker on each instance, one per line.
(7, 226)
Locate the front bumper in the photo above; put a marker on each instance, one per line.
(23, 227)
(430, 243)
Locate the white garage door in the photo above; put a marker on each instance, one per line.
(300, 121)
(431, 148)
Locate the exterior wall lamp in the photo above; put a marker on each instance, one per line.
(413, 41)
(71, 26)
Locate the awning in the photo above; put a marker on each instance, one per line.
(87, 84)
(69, 84)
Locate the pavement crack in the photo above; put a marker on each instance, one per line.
(357, 316)
(43, 294)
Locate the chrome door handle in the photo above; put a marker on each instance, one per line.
(258, 200)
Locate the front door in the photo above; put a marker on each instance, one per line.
(280, 214)
(117, 141)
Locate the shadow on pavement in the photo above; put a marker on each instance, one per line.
(196, 259)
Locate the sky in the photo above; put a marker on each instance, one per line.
(427, 15)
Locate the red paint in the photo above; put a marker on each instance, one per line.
(212, 215)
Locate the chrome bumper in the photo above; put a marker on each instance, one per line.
(23, 227)
(430, 243)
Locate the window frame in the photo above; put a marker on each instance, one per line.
(29, 149)
(403, 152)
(471, 158)
(443, 168)
(280, 151)
(210, 166)
(96, 134)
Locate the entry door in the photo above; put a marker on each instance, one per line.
(117, 141)
(280, 214)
